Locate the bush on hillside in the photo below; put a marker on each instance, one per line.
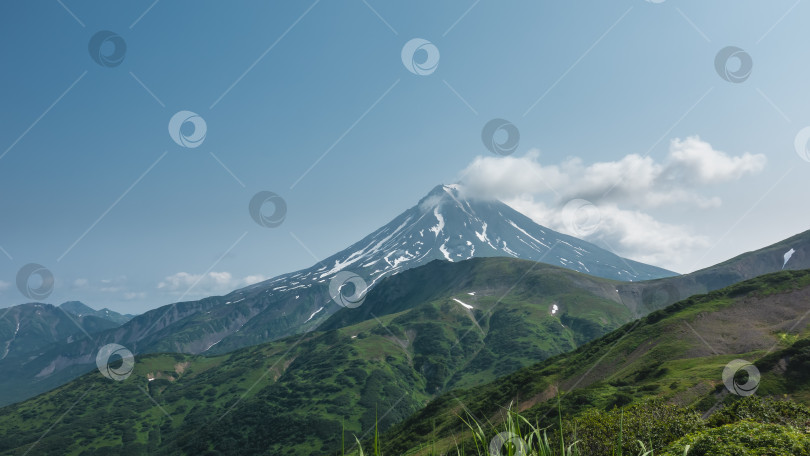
(744, 438)
(766, 410)
(654, 423)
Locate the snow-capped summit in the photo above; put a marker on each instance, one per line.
(446, 226)
(443, 225)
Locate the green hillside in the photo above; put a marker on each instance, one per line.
(426, 362)
(293, 396)
(676, 355)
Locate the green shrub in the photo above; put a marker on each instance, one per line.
(654, 423)
(766, 410)
(745, 438)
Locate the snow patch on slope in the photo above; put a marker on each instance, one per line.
(362, 253)
(508, 250)
(482, 236)
(527, 234)
(440, 226)
(788, 254)
(445, 252)
(313, 314)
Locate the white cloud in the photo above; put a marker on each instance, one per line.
(712, 166)
(251, 279)
(78, 283)
(626, 192)
(211, 283)
(506, 177)
(114, 285)
(4, 285)
(633, 179)
(117, 280)
(184, 280)
(631, 233)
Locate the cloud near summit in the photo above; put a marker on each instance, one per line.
(627, 193)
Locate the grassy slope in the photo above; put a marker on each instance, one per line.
(677, 354)
(295, 394)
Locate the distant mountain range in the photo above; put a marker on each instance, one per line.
(81, 310)
(28, 329)
(454, 325)
(463, 338)
(441, 226)
(450, 309)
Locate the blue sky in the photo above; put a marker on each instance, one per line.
(93, 187)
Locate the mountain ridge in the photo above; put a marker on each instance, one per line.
(310, 390)
(441, 226)
(81, 309)
(301, 301)
(497, 315)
